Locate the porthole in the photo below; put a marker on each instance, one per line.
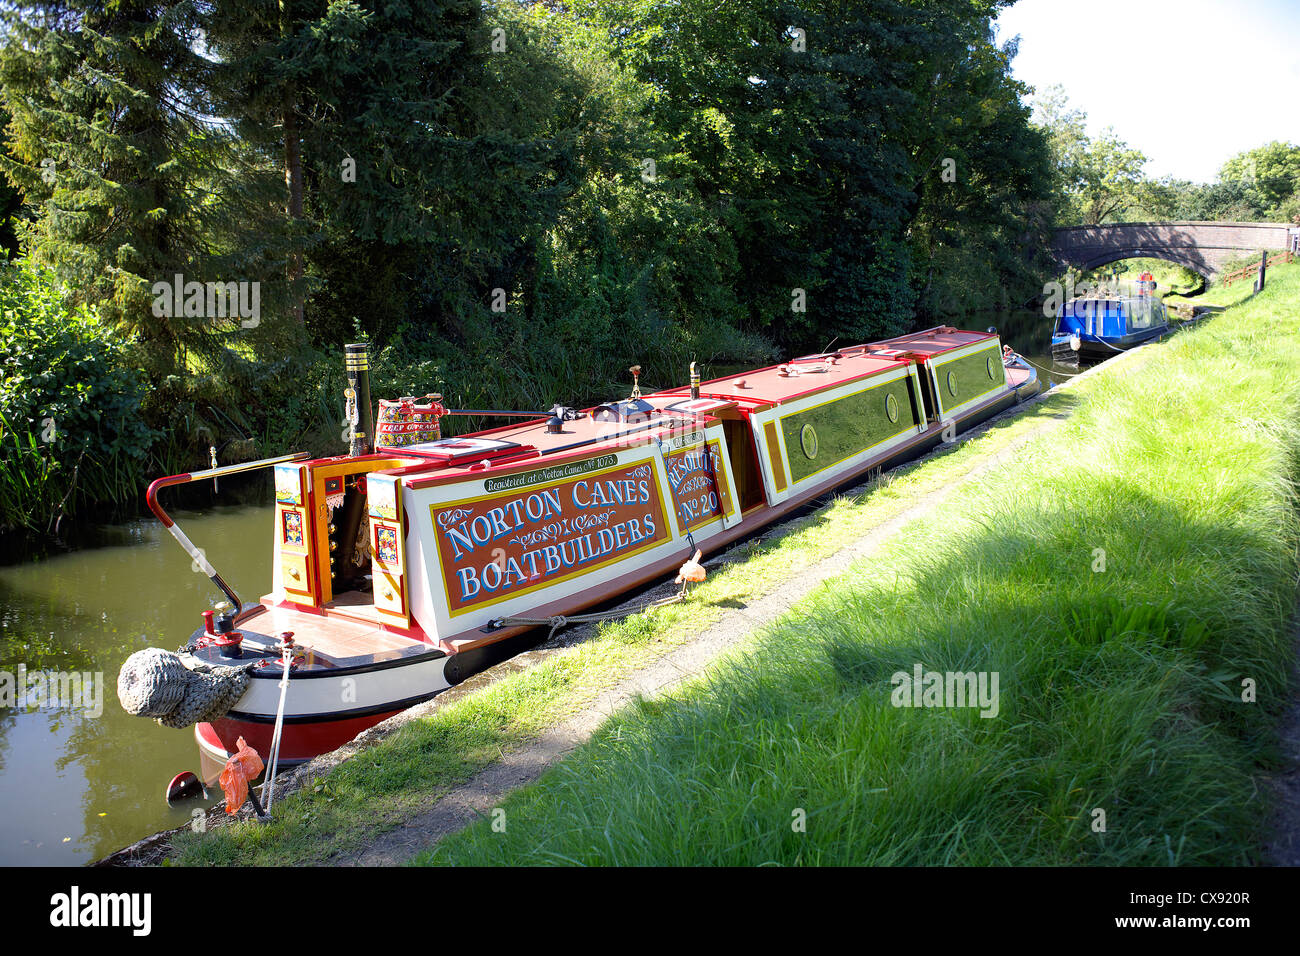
(808, 441)
(988, 364)
(952, 385)
(891, 408)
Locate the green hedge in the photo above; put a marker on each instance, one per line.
(71, 425)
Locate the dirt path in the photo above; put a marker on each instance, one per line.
(478, 796)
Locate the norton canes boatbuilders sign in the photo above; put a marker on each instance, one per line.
(506, 544)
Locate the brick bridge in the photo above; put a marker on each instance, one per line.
(1203, 247)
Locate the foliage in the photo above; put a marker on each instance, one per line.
(70, 401)
(515, 202)
(113, 145)
(986, 189)
(1101, 176)
(1272, 171)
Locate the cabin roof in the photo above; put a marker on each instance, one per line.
(788, 381)
(933, 341)
(528, 444)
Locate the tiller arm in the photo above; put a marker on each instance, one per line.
(151, 496)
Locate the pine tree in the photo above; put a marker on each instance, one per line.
(362, 112)
(111, 142)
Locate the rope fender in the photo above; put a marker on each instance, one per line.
(158, 684)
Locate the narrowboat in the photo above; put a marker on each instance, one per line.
(1095, 328)
(408, 564)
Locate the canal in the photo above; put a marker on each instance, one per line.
(77, 783)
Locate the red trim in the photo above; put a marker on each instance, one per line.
(604, 446)
(298, 742)
(151, 496)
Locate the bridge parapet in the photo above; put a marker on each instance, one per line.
(1204, 247)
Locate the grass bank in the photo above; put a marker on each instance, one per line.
(1129, 580)
(373, 792)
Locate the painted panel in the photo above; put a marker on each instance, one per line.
(297, 577)
(387, 549)
(697, 475)
(971, 377)
(820, 436)
(536, 531)
(773, 446)
(292, 576)
(288, 484)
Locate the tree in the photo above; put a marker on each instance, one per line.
(1101, 177)
(985, 183)
(1271, 171)
(106, 138)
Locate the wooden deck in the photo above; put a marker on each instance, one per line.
(347, 635)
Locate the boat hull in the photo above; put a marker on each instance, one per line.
(317, 720)
(1094, 350)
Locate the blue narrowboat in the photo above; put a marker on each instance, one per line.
(1095, 328)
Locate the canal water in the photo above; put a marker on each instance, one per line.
(1029, 332)
(78, 782)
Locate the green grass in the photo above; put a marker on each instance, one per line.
(374, 791)
(1121, 688)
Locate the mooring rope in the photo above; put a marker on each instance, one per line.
(561, 620)
(1049, 371)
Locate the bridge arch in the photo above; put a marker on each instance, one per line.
(1106, 258)
(1203, 247)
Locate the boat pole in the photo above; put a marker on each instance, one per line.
(200, 559)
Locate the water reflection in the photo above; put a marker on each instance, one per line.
(1029, 332)
(75, 787)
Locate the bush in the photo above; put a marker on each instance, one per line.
(70, 405)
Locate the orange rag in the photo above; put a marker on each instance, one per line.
(692, 570)
(241, 769)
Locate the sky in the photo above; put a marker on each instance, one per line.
(1190, 83)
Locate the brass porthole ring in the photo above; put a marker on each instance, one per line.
(808, 441)
(952, 385)
(988, 364)
(891, 408)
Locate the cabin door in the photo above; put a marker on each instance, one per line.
(771, 456)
